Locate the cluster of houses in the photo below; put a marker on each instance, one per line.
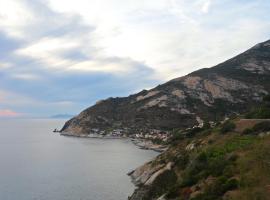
(111, 133)
(152, 135)
(201, 125)
(147, 135)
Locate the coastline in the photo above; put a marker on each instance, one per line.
(149, 145)
(141, 143)
(92, 136)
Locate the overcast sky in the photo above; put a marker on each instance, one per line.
(59, 56)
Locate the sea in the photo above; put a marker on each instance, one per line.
(37, 164)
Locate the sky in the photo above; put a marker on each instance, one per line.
(59, 56)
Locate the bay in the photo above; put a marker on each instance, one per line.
(37, 164)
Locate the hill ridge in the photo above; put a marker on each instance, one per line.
(208, 94)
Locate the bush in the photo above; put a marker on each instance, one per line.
(258, 128)
(227, 127)
(211, 162)
(266, 98)
(217, 166)
(248, 131)
(162, 183)
(217, 189)
(206, 126)
(192, 132)
(181, 161)
(262, 126)
(263, 112)
(176, 136)
(231, 184)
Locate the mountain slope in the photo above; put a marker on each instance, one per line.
(212, 164)
(205, 95)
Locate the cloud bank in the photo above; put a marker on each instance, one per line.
(61, 56)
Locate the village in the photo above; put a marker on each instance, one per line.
(151, 134)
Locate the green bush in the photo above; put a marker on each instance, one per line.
(162, 184)
(206, 125)
(216, 190)
(192, 132)
(248, 131)
(177, 136)
(262, 112)
(181, 161)
(231, 184)
(212, 162)
(266, 98)
(227, 127)
(258, 128)
(262, 127)
(217, 166)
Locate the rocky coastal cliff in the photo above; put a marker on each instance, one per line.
(228, 159)
(209, 94)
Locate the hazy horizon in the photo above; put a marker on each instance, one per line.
(60, 57)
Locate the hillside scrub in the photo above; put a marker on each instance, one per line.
(221, 165)
(262, 111)
(258, 128)
(227, 127)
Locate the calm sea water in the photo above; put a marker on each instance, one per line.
(36, 164)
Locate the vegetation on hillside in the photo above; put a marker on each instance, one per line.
(262, 111)
(216, 163)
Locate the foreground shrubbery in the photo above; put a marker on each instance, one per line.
(162, 184)
(227, 127)
(217, 162)
(258, 128)
(261, 112)
(217, 189)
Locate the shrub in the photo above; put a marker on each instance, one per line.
(192, 132)
(233, 157)
(258, 128)
(266, 98)
(162, 183)
(173, 192)
(181, 161)
(262, 126)
(177, 136)
(217, 166)
(189, 179)
(248, 131)
(227, 127)
(206, 126)
(262, 112)
(202, 157)
(217, 189)
(231, 184)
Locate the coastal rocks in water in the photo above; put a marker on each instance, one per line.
(142, 174)
(145, 176)
(149, 145)
(159, 172)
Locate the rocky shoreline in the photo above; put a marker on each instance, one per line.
(149, 145)
(144, 176)
(142, 144)
(92, 136)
